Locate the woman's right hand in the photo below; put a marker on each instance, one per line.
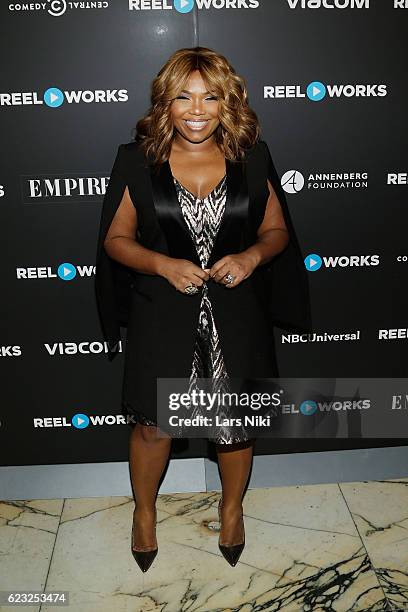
(182, 272)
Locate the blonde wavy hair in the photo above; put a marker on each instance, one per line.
(239, 126)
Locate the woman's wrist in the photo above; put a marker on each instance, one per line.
(160, 264)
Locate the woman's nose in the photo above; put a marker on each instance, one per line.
(197, 106)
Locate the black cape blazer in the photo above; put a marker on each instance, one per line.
(280, 286)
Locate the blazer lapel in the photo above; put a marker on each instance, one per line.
(174, 226)
(170, 215)
(228, 239)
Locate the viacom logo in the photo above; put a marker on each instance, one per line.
(329, 4)
(316, 91)
(293, 181)
(81, 348)
(65, 271)
(185, 6)
(56, 8)
(53, 97)
(82, 421)
(314, 262)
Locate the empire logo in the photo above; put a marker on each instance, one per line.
(58, 188)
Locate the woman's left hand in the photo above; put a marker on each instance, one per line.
(239, 266)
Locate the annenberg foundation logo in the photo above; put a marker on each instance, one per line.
(293, 181)
(329, 4)
(53, 97)
(57, 8)
(316, 91)
(185, 6)
(314, 262)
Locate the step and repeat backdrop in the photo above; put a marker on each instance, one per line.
(328, 81)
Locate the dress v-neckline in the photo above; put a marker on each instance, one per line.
(208, 194)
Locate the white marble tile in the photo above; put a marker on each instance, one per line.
(299, 548)
(380, 512)
(27, 537)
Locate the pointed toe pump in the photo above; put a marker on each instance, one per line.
(144, 558)
(230, 552)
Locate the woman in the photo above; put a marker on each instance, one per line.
(190, 225)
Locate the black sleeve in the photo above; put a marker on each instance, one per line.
(290, 304)
(112, 279)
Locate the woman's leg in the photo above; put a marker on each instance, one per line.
(235, 463)
(148, 456)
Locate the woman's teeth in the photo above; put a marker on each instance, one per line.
(196, 125)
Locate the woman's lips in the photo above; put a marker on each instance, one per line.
(196, 125)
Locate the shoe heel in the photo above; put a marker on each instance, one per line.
(144, 558)
(231, 553)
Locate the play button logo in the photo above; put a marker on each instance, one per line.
(66, 271)
(313, 262)
(308, 407)
(53, 97)
(316, 91)
(80, 421)
(183, 6)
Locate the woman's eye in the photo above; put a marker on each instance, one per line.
(181, 98)
(212, 98)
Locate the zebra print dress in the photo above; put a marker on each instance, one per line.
(203, 217)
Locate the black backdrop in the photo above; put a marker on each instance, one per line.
(50, 216)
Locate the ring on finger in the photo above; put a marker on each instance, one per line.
(229, 278)
(191, 289)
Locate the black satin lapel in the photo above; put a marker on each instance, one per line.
(170, 215)
(229, 236)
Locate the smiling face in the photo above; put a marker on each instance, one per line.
(195, 110)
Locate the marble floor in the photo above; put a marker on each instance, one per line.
(331, 547)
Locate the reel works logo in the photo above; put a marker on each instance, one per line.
(314, 262)
(186, 6)
(65, 271)
(81, 421)
(316, 91)
(56, 8)
(55, 97)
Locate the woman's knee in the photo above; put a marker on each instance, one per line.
(151, 433)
